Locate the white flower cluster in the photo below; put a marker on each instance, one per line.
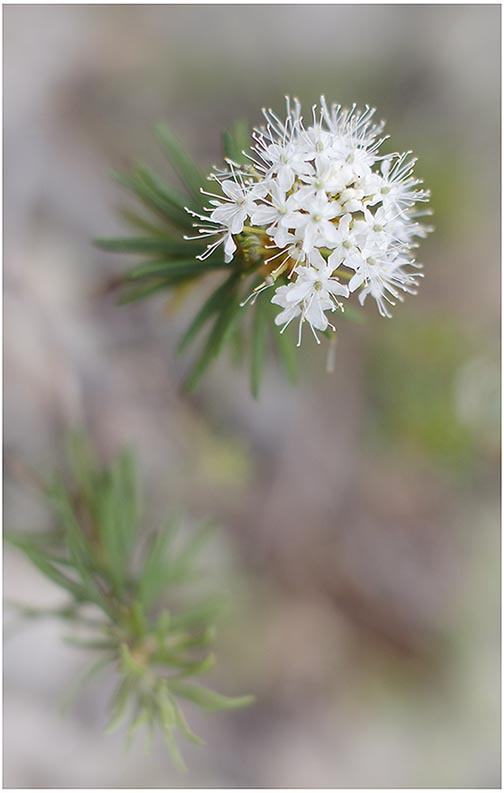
(320, 204)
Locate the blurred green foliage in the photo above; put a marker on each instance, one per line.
(412, 373)
(131, 603)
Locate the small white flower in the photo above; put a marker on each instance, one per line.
(328, 178)
(229, 247)
(286, 162)
(316, 141)
(236, 209)
(309, 297)
(371, 184)
(320, 198)
(376, 231)
(398, 188)
(276, 213)
(351, 199)
(383, 282)
(315, 223)
(345, 242)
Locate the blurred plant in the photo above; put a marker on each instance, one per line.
(427, 393)
(297, 212)
(128, 601)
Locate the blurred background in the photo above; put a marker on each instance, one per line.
(359, 510)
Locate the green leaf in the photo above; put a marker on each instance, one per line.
(128, 503)
(181, 566)
(196, 668)
(162, 626)
(182, 163)
(77, 543)
(168, 719)
(141, 292)
(169, 194)
(216, 339)
(286, 348)
(91, 644)
(147, 189)
(83, 464)
(152, 578)
(138, 621)
(116, 515)
(259, 334)
(177, 269)
(166, 709)
(176, 757)
(236, 140)
(163, 282)
(183, 725)
(119, 703)
(47, 567)
(129, 664)
(137, 221)
(207, 699)
(148, 245)
(201, 640)
(198, 615)
(211, 306)
(141, 718)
